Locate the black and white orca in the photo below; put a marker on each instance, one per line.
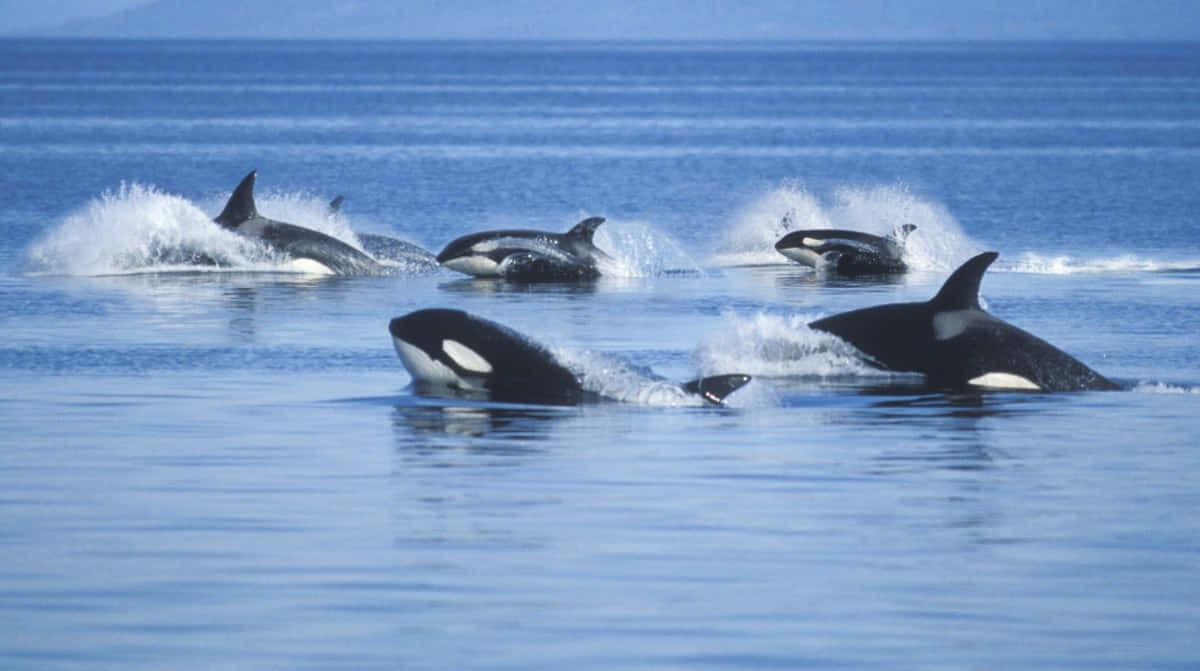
(848, 252)
(451, 351)
(528, 256)
(310, 250)
(957, 344)
(387, 248)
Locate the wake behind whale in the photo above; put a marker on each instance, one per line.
(139, 228)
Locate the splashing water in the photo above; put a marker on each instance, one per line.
(640, 250)
(1164, 388)
(619, 380)
(139, 228)
(938, 243)
(770, 345)
(1032, 262)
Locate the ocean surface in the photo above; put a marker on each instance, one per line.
(228, 467)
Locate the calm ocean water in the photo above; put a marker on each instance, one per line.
(229, 469)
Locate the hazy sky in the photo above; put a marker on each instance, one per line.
(571, 19)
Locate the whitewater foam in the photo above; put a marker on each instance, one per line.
(139, 228)
(772, 345)
(638, 249)
(938, 243)
(1164, 388)
(1033, 262)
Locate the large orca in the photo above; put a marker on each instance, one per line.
(314, 250)
(386, 248)
(463, 354)
(848, 252)
(958, 345)
(528, 256)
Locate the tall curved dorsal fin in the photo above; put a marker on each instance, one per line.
(961, 290)
(585, 229)
(241, 204)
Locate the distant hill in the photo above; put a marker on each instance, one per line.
(438, 19)
(643, 19)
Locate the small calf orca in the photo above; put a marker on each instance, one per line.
(848, 252)
(319, 252)
(958, 345)
(463, 353)
(528, 256)
(386, 248)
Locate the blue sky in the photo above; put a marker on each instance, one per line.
(639, 19)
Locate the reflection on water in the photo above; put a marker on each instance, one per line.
(483, 286)
(416, 421)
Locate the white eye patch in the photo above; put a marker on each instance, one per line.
(1003, 381)
(465, 357)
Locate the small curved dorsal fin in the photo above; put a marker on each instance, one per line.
(335, 205)
(241, 204)
(961, 290)
(900, 234)
(585, 229)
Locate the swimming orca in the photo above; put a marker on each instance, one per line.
(386, 248)
(528, 256)
(958, 345)
(454, 351)
(848, 252)
(316, 251)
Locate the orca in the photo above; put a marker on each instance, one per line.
(848, 253)
(310, 250)
(386, 248)
(528, 256)
(455, 352)
(957, 344)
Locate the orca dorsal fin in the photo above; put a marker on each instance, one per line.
(585, 229)
(241, 204)
(714, 389)
(900, 234)
(961, 290)
(335, 205)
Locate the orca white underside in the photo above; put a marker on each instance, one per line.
(997, 380)
(308, 266)
(479, 266)
(802, 255)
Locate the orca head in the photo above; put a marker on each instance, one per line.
(461, 351)
(802, 247)
(477, 254)
(240, 206)
(442, 346)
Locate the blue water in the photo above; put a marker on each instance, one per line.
(228, 468)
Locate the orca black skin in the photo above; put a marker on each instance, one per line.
(848, 253)
(528, 256)
(465, 355)
(387, 248)
(958, 345)
(241, 216)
